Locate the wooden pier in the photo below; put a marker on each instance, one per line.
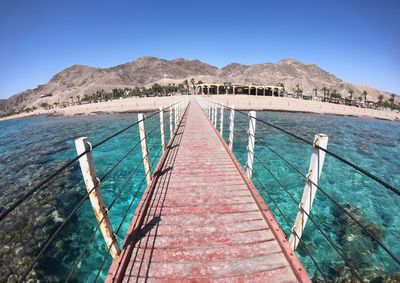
(202, 220)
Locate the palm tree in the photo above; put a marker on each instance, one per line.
(281, 85)
(365, 93)
(193, 85)
(186, 83)
(315, 91)
(324, 89)
(380, 98)
(328, 93)
(351, 95)
(392, 99)
(199, 83)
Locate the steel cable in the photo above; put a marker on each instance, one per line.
(287, 222)
(119, 227)
(9, 209)
(80, 203)
(370, 234)
(107, 212)
(333, 245)
(334, 155)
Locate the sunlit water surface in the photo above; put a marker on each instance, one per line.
(33, 147)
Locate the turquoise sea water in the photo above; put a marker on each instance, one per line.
(31, 148)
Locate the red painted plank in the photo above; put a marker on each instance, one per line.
(204, 222)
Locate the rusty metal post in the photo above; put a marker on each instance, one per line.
(92, 184)
(162, 129)
(145, 151)
(313, 176)
(231, 126)
(250, 146)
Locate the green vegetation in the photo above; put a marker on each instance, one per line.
(335, 94)
(351, 94)
(329, 95)
(155, 90)
(364, 94)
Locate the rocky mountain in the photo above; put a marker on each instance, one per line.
(79, 80)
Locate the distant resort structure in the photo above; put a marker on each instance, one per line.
(346, 97)
(240, 88)
(271, 90)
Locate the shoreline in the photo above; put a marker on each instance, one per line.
(241, 102)
(287, 104)
(128, 105)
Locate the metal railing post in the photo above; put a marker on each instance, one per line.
(212, 113)
(208, 110)
(250, 146)
(221, 124)
(171, 129)
(313, 176)
(231, 126)
(145, 151)
(162, 129)
(175, 116)
(92, 184)
(215, 115)
(179, 110)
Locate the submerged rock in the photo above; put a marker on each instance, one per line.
(356, 245)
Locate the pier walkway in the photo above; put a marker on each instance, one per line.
(201, 219)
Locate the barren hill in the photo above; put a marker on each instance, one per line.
(79, 80)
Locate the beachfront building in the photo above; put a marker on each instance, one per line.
(239, 88)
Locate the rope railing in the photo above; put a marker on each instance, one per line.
(334, 155)
(329, 240)
(91, 238)
(68, 164)
(119, 227)
(302, 244)
(87, 152)
(210, 108)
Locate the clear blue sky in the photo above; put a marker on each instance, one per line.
(358, 41)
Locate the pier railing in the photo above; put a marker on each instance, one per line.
(93, 184)
(215, 113)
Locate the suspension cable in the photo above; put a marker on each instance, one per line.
(117, 230)
(69, 217)
(14, 205)
(119, 227)
(369, 233)
(91, 238)
(127, 154)
(128, 179)
(288, 223)
(345, 161)
(333, 245)
(46, 180)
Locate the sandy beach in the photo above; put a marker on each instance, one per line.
(132, 104)
(245, 102)
(241, 102)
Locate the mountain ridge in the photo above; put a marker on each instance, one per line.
(78, 80)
